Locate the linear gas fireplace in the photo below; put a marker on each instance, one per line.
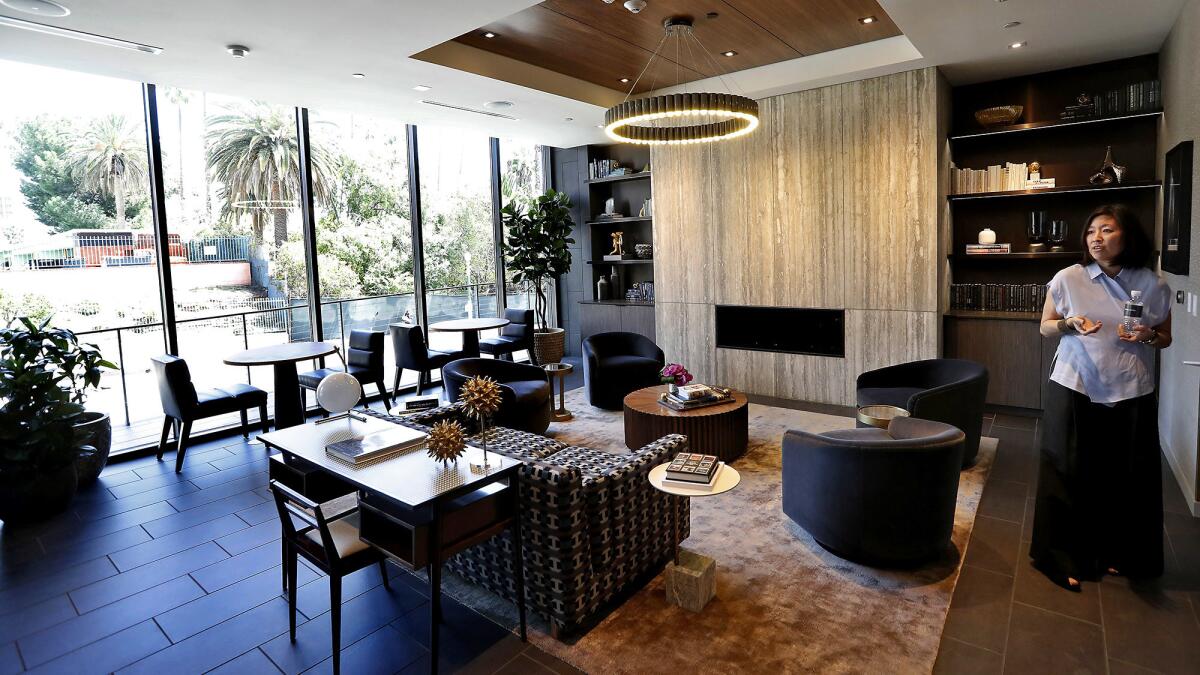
(782, 329)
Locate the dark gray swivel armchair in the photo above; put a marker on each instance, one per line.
(615, 364)
(525, 390)
(945, 390)
(364, 360)
(183, 404)
(876, 496)
(514, 337)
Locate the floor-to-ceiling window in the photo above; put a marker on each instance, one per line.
(76, 237)
(231, 176)
(363, 227)
(457, 227)
(522, 178)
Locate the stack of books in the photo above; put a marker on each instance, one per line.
(988, 249)
(996, 178)
(998, 297)
(1139, 97)
(692, 396)
(692, 470)
(376, 447)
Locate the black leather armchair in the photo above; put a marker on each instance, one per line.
(183, 404)
(514, 337)
(945, 390)
(880, 497)
(413, 353)
(525, 390)
(364, 360)
(615, 364)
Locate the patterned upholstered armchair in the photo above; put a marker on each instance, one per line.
(592, 523)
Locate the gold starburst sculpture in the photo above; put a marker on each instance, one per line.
(447, 441)
(481, 397)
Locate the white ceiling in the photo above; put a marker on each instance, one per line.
(303, 52)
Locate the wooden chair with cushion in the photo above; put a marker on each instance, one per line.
(327, 536)
(364, 360)
(183, 404)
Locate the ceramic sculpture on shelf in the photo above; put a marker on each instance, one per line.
(1110, 172)
(618, 241)
(987, 236)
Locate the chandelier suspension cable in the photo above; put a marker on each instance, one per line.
(717, 67)
(644, 68)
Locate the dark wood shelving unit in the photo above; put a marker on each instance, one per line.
(617, 303)
(1017, 255)
(618, 221)
(641, 175)
(1130, 185)
(1008, 343)
(1050, 125)
(621, 262)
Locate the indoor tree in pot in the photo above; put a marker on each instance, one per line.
(535, 249)
(43, 375)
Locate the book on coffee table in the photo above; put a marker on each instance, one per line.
(373, 447)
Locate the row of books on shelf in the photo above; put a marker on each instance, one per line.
(998, 297)
(603, 168)
(1139, 97)
(996, 178)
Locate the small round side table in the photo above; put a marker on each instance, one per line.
(879, 416)
(691, 579)
(559, 371)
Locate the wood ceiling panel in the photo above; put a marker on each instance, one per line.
(557, 42)
(729, 30)
(602, 43)
(814, 26)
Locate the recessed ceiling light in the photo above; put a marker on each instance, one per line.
(237, 51)
(78, 35)
(357, 76)
(867, 19)
(568, 119)
(624, 80)
(729, 53)
(422, 87)
(38, 7)
(1017, 45)
(498, 105)
(489, 35)
(1012, 24)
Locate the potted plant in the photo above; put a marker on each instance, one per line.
(44, 373)
(535, 249)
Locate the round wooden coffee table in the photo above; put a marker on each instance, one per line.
(720, 430)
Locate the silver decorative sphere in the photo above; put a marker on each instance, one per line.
(339, 392)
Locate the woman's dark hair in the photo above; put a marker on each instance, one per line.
(1136, 247)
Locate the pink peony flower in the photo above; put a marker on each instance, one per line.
(675, 373)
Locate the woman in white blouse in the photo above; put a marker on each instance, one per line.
(1099, 496)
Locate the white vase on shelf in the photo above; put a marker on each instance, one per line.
(987, 236)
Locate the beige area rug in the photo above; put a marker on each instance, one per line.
(784, 604)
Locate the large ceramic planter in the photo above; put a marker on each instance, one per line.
(36, 495)
(549, 344)
(96, 431)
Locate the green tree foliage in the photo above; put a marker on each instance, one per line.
(52, 190)
(457, 249)
(254, 153)
(109, 157)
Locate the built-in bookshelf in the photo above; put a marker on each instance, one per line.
(1069, 150)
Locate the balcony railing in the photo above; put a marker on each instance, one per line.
(122, 250)
(131, 393)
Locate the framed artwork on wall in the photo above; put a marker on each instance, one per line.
(1177, 209)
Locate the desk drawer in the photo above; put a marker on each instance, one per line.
(310, 481)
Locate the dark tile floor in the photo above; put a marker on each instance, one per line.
(1006, 617)
(154, 572)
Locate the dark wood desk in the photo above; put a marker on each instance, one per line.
(414, 509)
(289, 407)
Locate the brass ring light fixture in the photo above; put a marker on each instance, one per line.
(679, 119)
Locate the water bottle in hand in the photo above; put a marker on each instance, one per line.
(1133, 312)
